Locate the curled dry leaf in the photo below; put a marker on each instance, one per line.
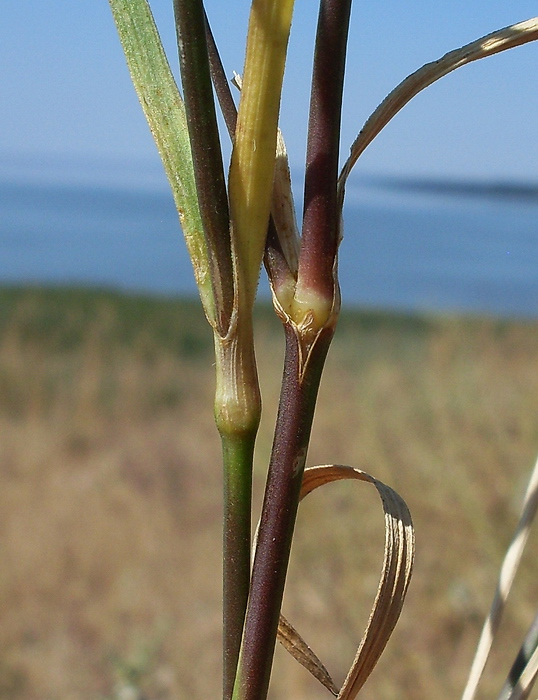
(493, 43)
(391, 592)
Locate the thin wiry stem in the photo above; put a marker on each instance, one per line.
(292, 433)
(321, 215)
(274, 258)
(522, 660)
(222, 86)
(206, 152)
(237, 399)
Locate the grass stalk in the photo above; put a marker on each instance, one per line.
(237, 415)
(321, 220)
(237, 453)
(237, 399)
(220, 83)
(253, 156)
(206, 152)
(309, 326)
(292, 433)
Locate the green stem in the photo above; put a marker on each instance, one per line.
(237, 414)
(237, 459)
(292, 433)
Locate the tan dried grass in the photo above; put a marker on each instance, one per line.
(110, 499)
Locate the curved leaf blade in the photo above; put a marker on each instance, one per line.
(500, 40)
(393, 585)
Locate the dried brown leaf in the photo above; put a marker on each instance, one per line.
(392, 589)
(283, 207)
(294, 644)
(493, 43)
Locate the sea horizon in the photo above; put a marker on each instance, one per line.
(409, 245)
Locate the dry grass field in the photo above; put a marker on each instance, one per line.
(110, 497)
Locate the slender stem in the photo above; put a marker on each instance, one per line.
(237, 457)
(237, 400)
(274, 258)
(252, 163)
(321, 212)
(521, 661)
(222, 87)
(237, 415)
(206, 152)
(292, 433)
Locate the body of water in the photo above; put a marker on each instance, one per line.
(412, 251)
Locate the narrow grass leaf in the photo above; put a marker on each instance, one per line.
(165, 113)
(395, 577)
(507, 574)
(493, 43)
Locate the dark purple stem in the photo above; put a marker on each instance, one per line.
(206, 151)
(292, 433)
(321, 213)
(222, 87)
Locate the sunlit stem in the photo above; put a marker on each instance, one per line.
(315, 289)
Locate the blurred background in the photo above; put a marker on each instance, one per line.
(84, 199)
(110, 505)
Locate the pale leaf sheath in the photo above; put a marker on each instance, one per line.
(253, 156)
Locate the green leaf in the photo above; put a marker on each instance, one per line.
(162, 104)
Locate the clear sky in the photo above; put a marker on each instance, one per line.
(67, 98)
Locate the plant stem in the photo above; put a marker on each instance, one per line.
(252, 164)
(237, 455)
(206, 152)
(321, 220)
(237, 415)
(220, 83)
(292, 433)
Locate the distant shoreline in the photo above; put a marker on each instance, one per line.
(86, 295)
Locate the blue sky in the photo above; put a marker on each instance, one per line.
(67, 99)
